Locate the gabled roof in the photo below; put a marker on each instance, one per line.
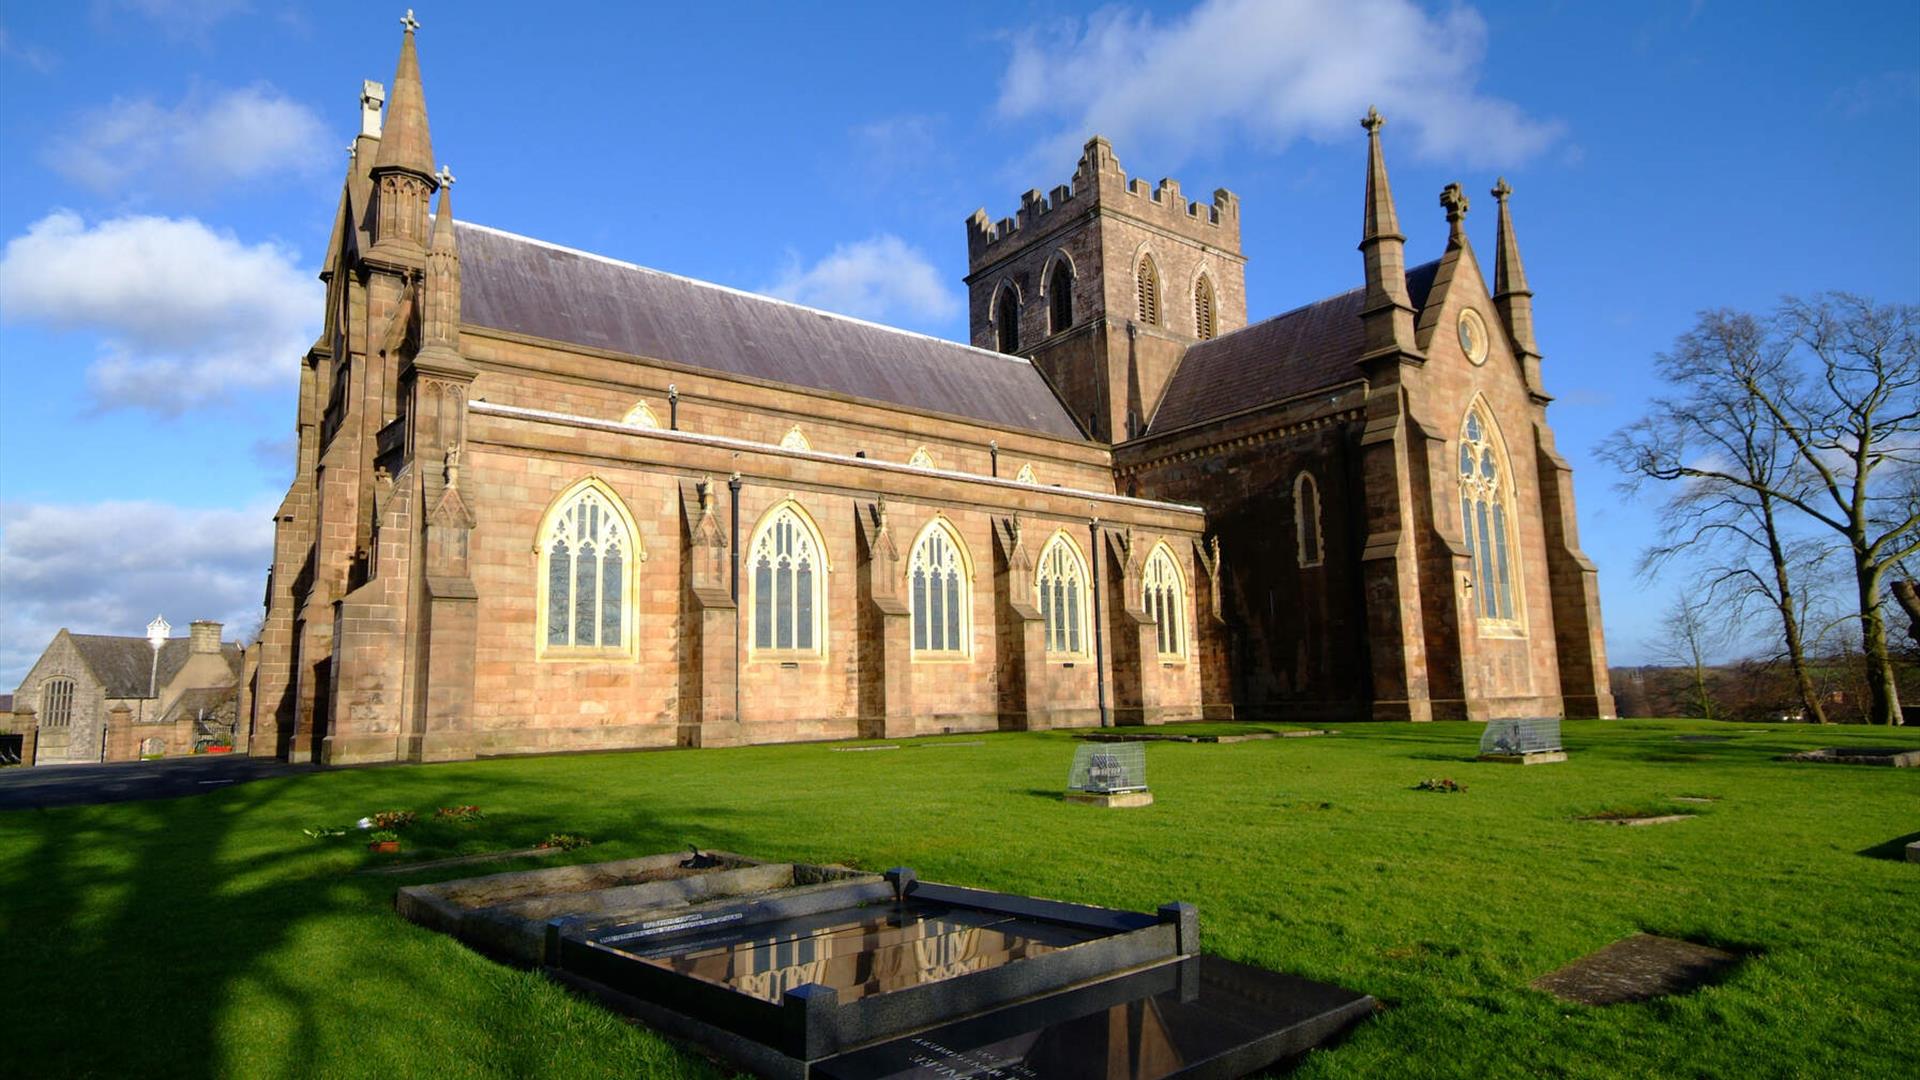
(192, 703)
(1283, 357)
(124, 665)
(526, 286)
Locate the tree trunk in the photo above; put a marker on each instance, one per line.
(1882, 692)
(1906, 592)
(1796, 652)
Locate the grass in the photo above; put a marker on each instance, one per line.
(208, 936)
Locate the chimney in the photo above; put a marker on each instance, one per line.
(205, 636)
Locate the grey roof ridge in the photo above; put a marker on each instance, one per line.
(749, 294)
(488, 408)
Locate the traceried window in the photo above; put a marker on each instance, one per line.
(939, 592)
(788, 581)
(1147, 287)
(921, 459)
(1060, 298)
(1486, 497)
(1060, 585)
(641, 416)
(795, 439)
(1309, 542)
(56, 703)
(587, 553)
(1164, 596)
(1026, 475)
(1006, 320)
(1203, 308)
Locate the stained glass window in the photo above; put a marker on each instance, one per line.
(1164, 597)
(938, 592)
(787, 603)
(588, 556)
(1060, 584)
(1486, 494)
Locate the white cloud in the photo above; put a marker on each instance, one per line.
(186, 315)
(32, 56)
(881, 278)
(205, 141)
(107, 568)
(1273, 71)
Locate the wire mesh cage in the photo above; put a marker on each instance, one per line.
(1106, 768)
(1531, 735)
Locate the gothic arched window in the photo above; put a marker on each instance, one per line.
(921, 459)
(1165, 597)
(587, 555)
(1203, 308)
(795, 439)
(1060, 585)
(56, 703)
(1025, 475)
(641, 416)
(787, 580)
(1486, 499)
(1309, 541)
(939, 591)
(1006, 320)
(1060, 297)
(1147, 286)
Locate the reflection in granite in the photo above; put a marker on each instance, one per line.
(1200, 1017)
(856, 951)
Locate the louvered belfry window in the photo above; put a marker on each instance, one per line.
(1149, 290)
(1203, 308)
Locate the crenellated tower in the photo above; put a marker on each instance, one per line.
(1104, 283)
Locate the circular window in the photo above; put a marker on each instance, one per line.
(1473, 336)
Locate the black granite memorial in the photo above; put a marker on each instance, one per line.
(858, 978)
(1533, 740)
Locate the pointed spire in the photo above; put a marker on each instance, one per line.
(1387, 312)
(1508, 275)
(402, 171)
(440, 312)
(1381, 220)
(404, 142)
(1510, 293)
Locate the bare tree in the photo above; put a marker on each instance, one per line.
(1731, 525)
(1838, 379)
(1688, 636)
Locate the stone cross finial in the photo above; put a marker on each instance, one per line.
(1455, 200)
(1373, 121)
(409, 21)
(445, 176)
(1501, 190)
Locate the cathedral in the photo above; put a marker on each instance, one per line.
(547, 500)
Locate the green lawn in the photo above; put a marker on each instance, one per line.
(208, 936)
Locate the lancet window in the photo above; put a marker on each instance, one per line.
(1486, 500)
(587, 554)
(1060, 297)
(1060, 584)
(1203, 308)
(1163, 594)
(1147, 286)
(939, 591)
(1309, 542)
(788, 582)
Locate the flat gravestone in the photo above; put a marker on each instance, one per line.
(1898, 757)
(1533, 740)
(1638, 968)
(1109, 774)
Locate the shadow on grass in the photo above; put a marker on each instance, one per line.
(108, 906)
(1895, 849)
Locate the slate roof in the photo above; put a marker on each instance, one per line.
(529, 287)
(191, 702)
(6, 703)
(124, 665)
(1286, 356)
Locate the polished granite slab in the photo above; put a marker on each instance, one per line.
(858, 951)
(1194, 1019)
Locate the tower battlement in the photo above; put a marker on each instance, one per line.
(1099, 180)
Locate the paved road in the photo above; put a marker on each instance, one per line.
(77, 785)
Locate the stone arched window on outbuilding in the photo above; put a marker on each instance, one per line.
(1309, 541)
(1006, 319)
(940, 592)
(56, 703)
(786, 584)
(1060, 296)
(1147, 290)
(1060, 591)
(588, 549)
(1163, 593)
(1486, 509)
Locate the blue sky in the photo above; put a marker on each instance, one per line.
(173, 166)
